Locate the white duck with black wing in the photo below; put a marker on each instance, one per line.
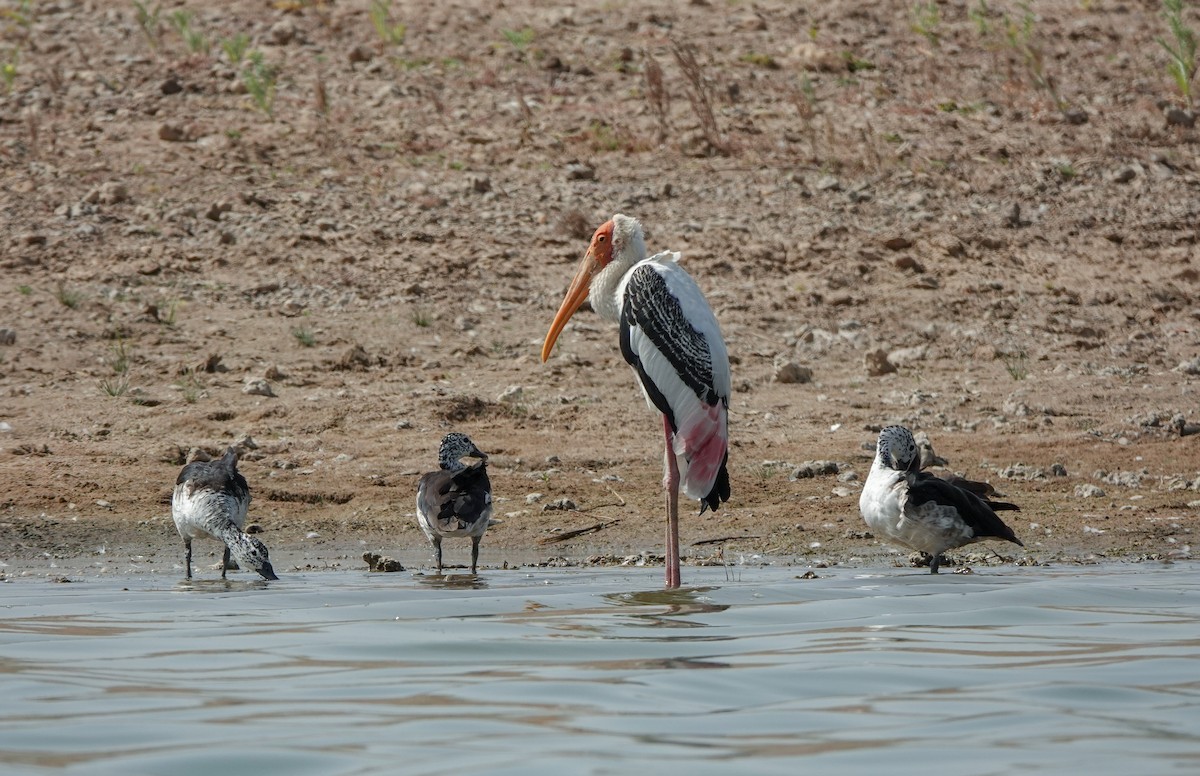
(455, 500)
(905, 505)
(210, 501)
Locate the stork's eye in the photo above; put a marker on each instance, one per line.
(600, 238)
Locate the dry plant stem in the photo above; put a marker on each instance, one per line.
(697, 92)
(805, 106)
(868, 141)
(656, 94)
(31, 125)
(526, 115)
(433, 92)
(830, 138)
(320, 96)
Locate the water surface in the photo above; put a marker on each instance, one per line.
(600, 671)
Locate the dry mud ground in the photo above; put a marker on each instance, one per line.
(387, 248)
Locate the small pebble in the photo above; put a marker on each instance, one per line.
(1180, 118)
(791, 372)
(256, 386)
(580, 172)
(172, 133)
(876, 363)
(283, 32)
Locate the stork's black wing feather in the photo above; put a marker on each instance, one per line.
(650, 306)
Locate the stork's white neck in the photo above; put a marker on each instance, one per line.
(603, 290)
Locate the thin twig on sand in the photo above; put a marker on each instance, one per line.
(722, 539)
(565, 535)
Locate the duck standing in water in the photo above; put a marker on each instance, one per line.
(455, 500)
(903, 504)
(210, 501)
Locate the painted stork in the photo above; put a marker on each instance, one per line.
(210, 501)
(903, 504)
(670, 337)
(455, 500)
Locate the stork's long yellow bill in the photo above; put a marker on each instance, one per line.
(576, 295)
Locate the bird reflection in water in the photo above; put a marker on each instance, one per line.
(670, 606)
(221, 585)
(452, 581)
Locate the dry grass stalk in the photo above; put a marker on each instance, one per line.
(803, 98)
(526, 116)
(320, 96)
(32, 126)
(326, 136)
(574, 225)
(868, 139)
(432, 91)
(831, 141)
(685, 55)
(656, 94)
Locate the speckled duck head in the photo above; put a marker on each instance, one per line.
(898, 450)
(456, 446)
(252, 554)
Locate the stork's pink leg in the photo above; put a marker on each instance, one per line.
(671, 484)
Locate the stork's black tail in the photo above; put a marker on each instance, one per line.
(720, 488)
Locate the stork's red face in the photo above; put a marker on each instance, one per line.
(598, 255)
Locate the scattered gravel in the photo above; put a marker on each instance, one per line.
(810, 469)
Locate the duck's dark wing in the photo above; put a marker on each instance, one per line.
(982, 489)
(220, 476)
(976, 512)
(464, 496)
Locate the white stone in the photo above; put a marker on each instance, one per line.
(511, 394)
